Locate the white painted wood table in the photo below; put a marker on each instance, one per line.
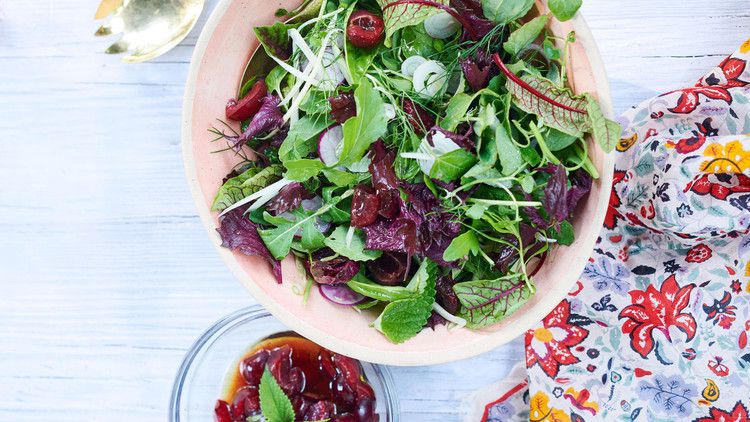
(106, 274)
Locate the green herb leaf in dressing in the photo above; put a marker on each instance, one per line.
(274, 403)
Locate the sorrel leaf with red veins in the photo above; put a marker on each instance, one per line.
(399, 14)
(244, 185)
(239, 233)
(485, 302)
(606, 132)
(558, 108)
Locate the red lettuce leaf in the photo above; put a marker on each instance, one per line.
(338, 270)
(365, 204)
(343, 107)
(445, 296)
(239, 233)
(381, 168)
(268, 118)
(471, 10)
(290, 197)
(420, 119)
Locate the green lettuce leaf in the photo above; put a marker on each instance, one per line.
(504, 11)
(525, 35)
(452, 165)
(366, 127)
(275, 39)
(564, 9)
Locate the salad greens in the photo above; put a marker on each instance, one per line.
(418, 157)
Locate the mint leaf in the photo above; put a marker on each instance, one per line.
(366, 127)
(525, 35)
(247, 183)
(606, 132)
(557, 140)
(397, 15)
(564, 9)
(452, 165)
(354, 250)
(461, 246)
(302, 169)
(485, 302)
(504, 11)
(403, 319)
(274, 404)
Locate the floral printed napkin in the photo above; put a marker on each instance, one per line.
(657, 327)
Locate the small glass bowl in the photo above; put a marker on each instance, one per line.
(200, 379)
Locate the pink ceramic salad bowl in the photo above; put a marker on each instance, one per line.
(220, 56)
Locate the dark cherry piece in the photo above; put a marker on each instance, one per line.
(319, 383)
(365, 29)
(249, 104)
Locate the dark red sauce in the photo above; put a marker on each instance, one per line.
(320, 384)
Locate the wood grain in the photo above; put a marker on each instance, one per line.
(106, 275)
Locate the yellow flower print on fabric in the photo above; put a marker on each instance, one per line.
(624, 144)
(728, 158)
(541, 412)
(745, 47)
(711, 392)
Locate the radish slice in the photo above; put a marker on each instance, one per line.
(390, 111)
(429, 79)
(340, 294)
(329, 145)
(426, 154)
(441, 25)
(411, 64)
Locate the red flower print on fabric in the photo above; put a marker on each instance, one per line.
(698, 253)
(610, 220)
(731, 70)
(549, 346)
(719, 185)
(737, 414)
(657, 309)
(689, 100)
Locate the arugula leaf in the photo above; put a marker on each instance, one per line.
(247, 183)
(274, 404)
(456, 111)
(485, 302)
(275, 39)
(452, 165)
(302, 137)
(403, 319)
(366, 127)
(398, 14)
(525, 35)
(461, 246)
(564, 9)
(606, 132)
(365, 287)
(303, 169)
(505, 11)
(279, 239)
(354, 250)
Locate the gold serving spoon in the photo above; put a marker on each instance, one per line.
(149, 28)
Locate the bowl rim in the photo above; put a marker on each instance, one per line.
(402, 357)
(247, 315)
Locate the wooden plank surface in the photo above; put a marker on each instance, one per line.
(106, 274)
